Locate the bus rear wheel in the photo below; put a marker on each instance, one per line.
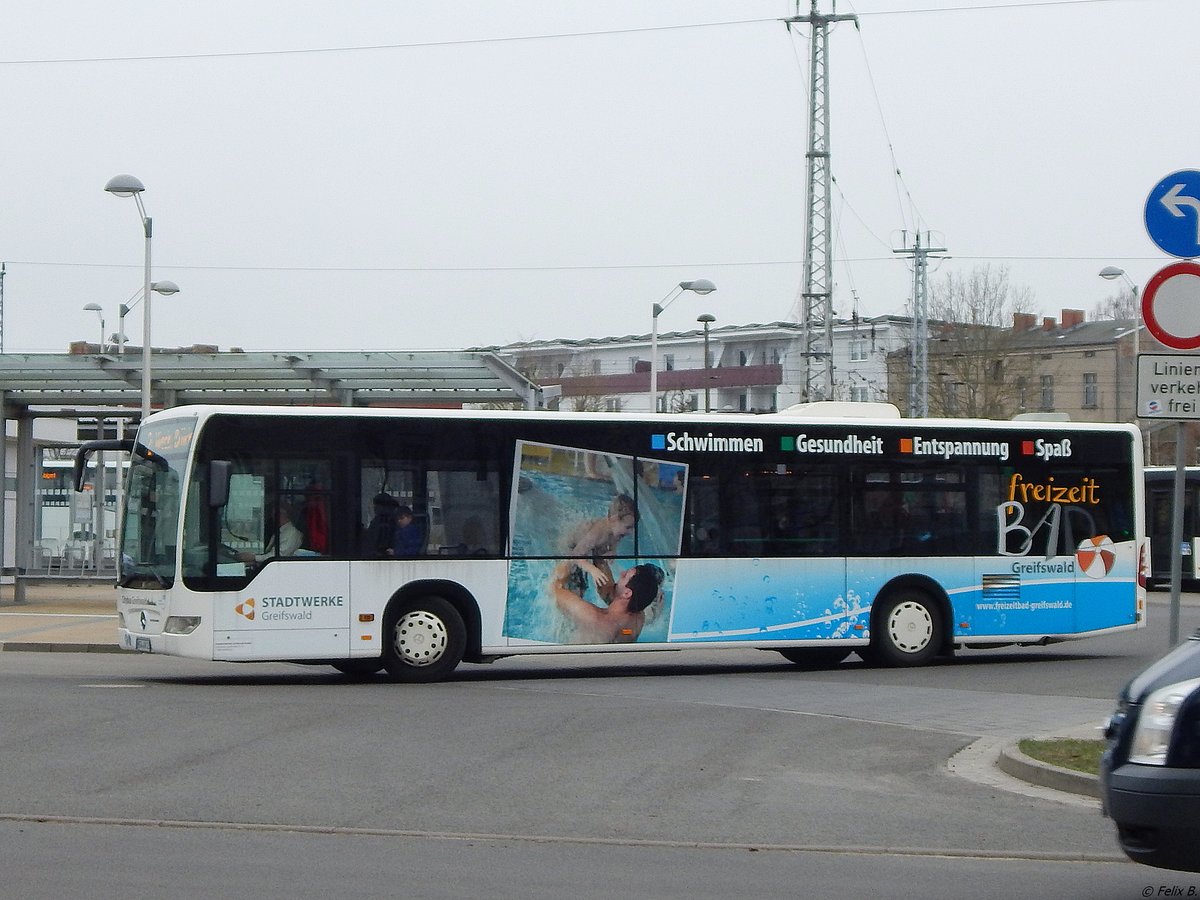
(906, 630)
(424, 640)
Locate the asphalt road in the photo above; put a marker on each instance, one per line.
(709, 775)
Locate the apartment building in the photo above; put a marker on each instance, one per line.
(747, 368)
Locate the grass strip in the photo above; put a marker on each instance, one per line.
(1069, 753)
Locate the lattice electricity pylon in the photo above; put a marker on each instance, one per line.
(815, 303)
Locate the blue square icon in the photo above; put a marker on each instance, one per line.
(658, 442)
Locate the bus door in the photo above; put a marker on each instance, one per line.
(1160, 511)
(297, 608)
(766, 559)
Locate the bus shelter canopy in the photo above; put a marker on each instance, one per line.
(103, 381)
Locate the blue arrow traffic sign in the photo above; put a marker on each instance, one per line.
(1173, 214)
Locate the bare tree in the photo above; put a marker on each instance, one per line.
(1123, 305)
(680, 401)
(591, 402)
(976, 364)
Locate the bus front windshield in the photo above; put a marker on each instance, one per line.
(152, 503)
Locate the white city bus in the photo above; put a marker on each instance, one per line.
(273, 534)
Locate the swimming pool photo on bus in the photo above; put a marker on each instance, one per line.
(575, 511)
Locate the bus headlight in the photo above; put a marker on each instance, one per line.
(1156, 724)
(181, 624)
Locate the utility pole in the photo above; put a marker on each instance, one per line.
(1, 307)
(816, 293)
(918, 385)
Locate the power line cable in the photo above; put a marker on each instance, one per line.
(561, 268)
(413, 45)
(458, 42)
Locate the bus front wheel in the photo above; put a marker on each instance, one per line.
(906, 630)
(424, 640)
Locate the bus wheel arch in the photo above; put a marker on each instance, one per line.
(428, 628)
(910, 623)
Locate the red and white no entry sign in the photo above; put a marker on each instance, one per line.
(1171, 306)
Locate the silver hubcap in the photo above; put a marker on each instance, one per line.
(420, 638)
(910, 626)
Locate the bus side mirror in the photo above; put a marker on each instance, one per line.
(219, 472)
(87, 448)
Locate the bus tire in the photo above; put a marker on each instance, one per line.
(423, 640)
(810, 658)
(906, 630)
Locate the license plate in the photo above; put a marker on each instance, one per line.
(142, 645)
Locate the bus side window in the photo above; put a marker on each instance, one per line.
(303, 489)
(886, 520)
(704, 534)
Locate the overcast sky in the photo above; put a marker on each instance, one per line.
(345, 174)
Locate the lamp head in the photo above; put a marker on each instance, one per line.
(1111, 272)
(165, 287)
(706, 318)
(124, 186)
(699, 286)
(94, 307)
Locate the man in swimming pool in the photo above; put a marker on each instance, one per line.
(624, 617)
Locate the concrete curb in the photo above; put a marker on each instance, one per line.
(51, 647)
(1015, 763)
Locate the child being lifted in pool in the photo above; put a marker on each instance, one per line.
(593, 540)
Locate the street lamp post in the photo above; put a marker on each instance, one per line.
(128, 186)
(1109, 273)
(698, 286)
(706, 319)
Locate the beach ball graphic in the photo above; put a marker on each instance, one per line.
(1096, 556)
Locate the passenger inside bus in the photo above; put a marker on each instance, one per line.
(408, 537)
(474, 541)
(285, 541)
(315, 519)
(379, 537)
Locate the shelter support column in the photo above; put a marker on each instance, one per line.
(4, 558)
(26, 513)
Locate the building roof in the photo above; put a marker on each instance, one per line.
(565, 343)
(1085, 334)
(720, 331)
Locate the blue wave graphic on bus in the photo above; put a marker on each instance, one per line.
(760, 599)
(756, 600)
